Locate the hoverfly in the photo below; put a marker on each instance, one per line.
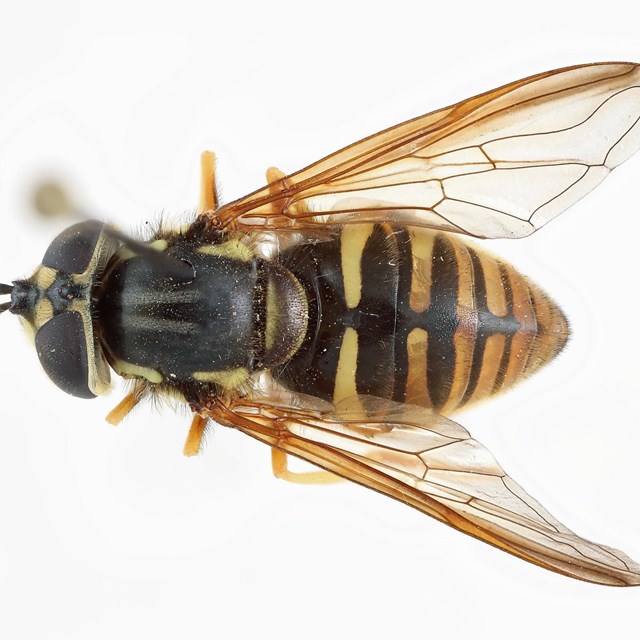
(338, 315)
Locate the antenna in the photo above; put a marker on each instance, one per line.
(5, 289)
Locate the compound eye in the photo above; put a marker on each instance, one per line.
(72, 250)
(62, 348)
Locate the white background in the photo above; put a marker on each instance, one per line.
(109, 532)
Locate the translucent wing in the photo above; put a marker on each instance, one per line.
(499, 165)
(432, 464)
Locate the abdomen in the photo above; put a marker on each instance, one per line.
(416, 316)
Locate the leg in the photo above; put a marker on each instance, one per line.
(193, 444)
(119, 412)
(279, 466)
(208, 189)
(274, 174)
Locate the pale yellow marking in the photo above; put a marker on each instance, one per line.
(99, 377)
(80, 305)
(158, 245)
(496, 298)
(44, 277)
(303, 313)
(416, 390)
(229, 379)
(234, 249)
(125, 253)
(465, 275)
(104, 249)
(208, 196)
(422, 254)
(43, 312)
(129, 370)
(352, 243)
(193, 444)
(273, 313)
(345, 384)
(493, 350)
(279, 466)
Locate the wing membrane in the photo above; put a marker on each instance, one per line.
(432, 464)
(499, 165)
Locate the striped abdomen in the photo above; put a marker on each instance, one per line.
(416, 316)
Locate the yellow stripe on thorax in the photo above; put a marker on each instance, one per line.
(235, 249)
(229, 379)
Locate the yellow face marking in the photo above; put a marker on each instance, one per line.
(235, 249)
(44, 277)
(422, 252)
(229, 379)
(416, 391)
(352, 243)
(129, 370)
(345, 385)
(104, 249)
(99, 372)
(43, 312)
(79, 305)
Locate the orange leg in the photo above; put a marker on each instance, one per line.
(208, 189)
(119, 412)
(279, 466)
(193, 444)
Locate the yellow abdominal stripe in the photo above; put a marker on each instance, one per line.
(352, 241)
(345, 384)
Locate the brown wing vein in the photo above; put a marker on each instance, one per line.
(468, 490)
(385, 165)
